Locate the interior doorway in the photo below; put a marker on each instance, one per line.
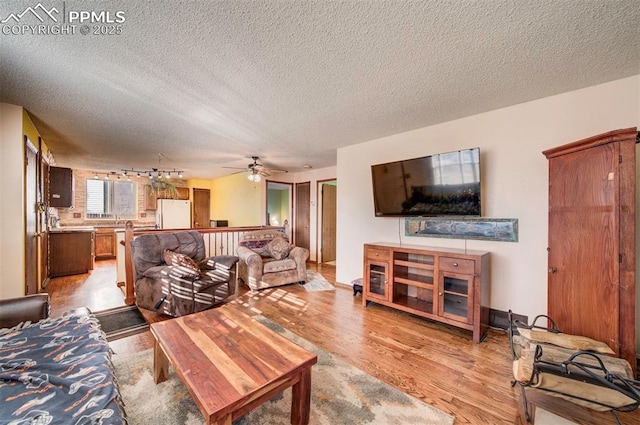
(327, 218)
(32, 236)
(279, 205)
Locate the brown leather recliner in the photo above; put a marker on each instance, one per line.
(180, 289)
(30, 308)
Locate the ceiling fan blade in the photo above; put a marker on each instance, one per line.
(257, 167)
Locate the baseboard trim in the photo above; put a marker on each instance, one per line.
(500, 319)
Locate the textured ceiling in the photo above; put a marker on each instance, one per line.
(208, 84)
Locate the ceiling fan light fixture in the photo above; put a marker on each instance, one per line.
(254, 177)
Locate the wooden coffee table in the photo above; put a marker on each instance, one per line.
(231, 364)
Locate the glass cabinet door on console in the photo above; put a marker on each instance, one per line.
(456, 297)
(455, 290)
(376, 279)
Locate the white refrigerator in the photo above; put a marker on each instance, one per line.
(173, 214)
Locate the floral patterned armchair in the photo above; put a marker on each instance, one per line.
(267, 259)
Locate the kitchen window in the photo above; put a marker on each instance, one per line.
(111, 199)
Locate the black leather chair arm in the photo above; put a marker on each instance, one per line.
(31, 307)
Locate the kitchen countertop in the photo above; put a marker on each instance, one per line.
(69, 229)
(88, 228)
(122, 229)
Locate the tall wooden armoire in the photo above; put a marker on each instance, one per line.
(591, 285)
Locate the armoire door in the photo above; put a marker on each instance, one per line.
(591, 221)
(583, 219)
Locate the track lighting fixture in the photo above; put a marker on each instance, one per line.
(154, 172)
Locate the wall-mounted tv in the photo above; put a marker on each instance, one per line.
(446, 184)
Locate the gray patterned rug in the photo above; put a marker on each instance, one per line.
(316, 282)
(340, 394)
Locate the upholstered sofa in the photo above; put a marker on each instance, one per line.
(173, 277)
(55, 370)
(267, 260)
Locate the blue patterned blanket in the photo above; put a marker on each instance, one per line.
(58, 371)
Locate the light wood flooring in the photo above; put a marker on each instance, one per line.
(433, 362)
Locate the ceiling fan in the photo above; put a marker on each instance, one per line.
(257, 169)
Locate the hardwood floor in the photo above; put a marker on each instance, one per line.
(430, 361)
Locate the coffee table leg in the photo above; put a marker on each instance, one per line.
(227, 420)
(160, 364)
(301, 399)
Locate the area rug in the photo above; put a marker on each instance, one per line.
(340, 394)
(121, 322)
(317, 283)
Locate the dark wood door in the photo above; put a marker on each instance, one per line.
(591, 256)
(301, 232)
(201, 208)
(328, 227)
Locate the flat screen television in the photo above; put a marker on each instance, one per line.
(446, 184)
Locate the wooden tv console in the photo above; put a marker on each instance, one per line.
(446, 285)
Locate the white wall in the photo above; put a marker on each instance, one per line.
(514, 182)
(12, 214)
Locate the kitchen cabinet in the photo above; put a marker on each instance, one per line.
(70, 252)
(151, 196)
(183, 193)
(60, 187)
(446, 285)
(105, 241)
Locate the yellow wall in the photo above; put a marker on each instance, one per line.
(29, 129)
(199, 183)
(238, 200)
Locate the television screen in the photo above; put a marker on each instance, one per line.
(442, 184)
